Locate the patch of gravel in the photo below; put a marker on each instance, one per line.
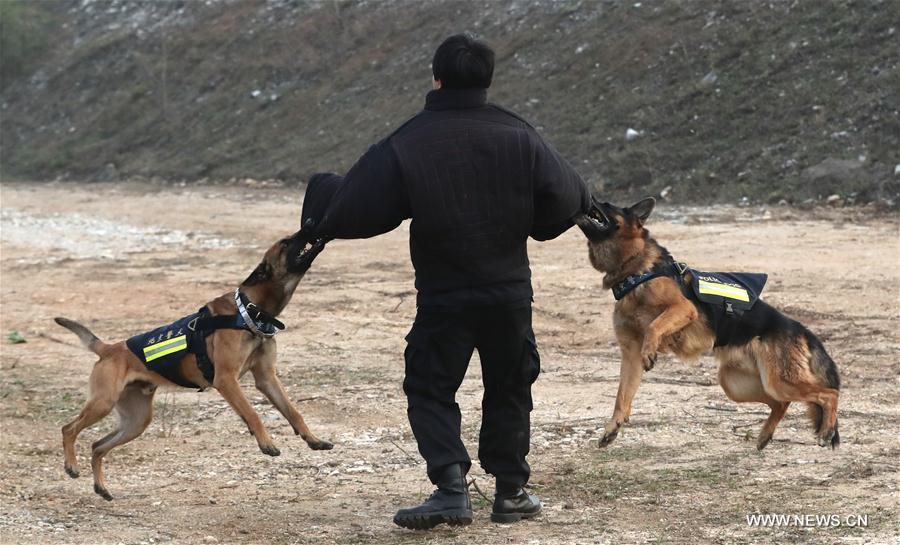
(85, 237)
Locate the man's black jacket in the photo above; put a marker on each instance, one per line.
(476, 180)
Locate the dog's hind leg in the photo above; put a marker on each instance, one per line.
(267, 382)
(135, 408)
(789, 376)
(105, 386)
(824, 368)
(630, 373)
(779, 408)
(742, 385)
(825, 398)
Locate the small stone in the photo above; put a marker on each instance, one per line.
(631, 135)
(896, 170)
(210, 539)
(709, 79)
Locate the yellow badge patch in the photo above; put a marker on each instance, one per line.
(169, 346)
(710, 286)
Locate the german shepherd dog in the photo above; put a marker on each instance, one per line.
(120, 379)
(772, 359)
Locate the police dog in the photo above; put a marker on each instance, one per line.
(773, 360)
(121, 380)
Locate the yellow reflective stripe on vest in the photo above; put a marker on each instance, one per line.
(165, 348)
(731, 292)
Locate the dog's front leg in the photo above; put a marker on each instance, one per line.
(267, 382)
(629, 380)
(673, 319)
(227, 385)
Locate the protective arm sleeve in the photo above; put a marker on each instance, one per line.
(559, 193)
(369, 200)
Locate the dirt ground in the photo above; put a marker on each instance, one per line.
(125, 258)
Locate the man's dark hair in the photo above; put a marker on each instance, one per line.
(462, 61)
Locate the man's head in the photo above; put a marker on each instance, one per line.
(463, 62)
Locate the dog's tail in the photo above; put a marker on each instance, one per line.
(826, 371)
(821, 363)
(88, 339)
(817, 415)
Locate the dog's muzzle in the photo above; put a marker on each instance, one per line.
(306, 254)
(305, 247)
(595, 224)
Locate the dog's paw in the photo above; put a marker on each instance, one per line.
(609, 436)
(271, 450)
(825, 438)
(103, 492)
(320, 445)
(649, 360)
(72, 472)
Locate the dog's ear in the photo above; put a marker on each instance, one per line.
(260, 274)
(643, 208)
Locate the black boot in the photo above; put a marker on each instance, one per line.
(512, 504)
(449, 503)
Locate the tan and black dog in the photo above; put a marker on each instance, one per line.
(235, 341)
(763, 355)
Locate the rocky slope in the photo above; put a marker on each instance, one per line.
(720, 100)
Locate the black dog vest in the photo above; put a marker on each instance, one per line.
(161, 349)
(726, 299)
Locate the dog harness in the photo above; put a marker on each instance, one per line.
(162, 349)
(724, 297)
(669, 267)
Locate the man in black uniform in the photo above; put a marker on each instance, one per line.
(477, 181)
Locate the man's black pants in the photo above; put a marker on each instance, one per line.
(440, 346)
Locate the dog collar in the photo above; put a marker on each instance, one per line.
(258, 321)
(673, 269)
